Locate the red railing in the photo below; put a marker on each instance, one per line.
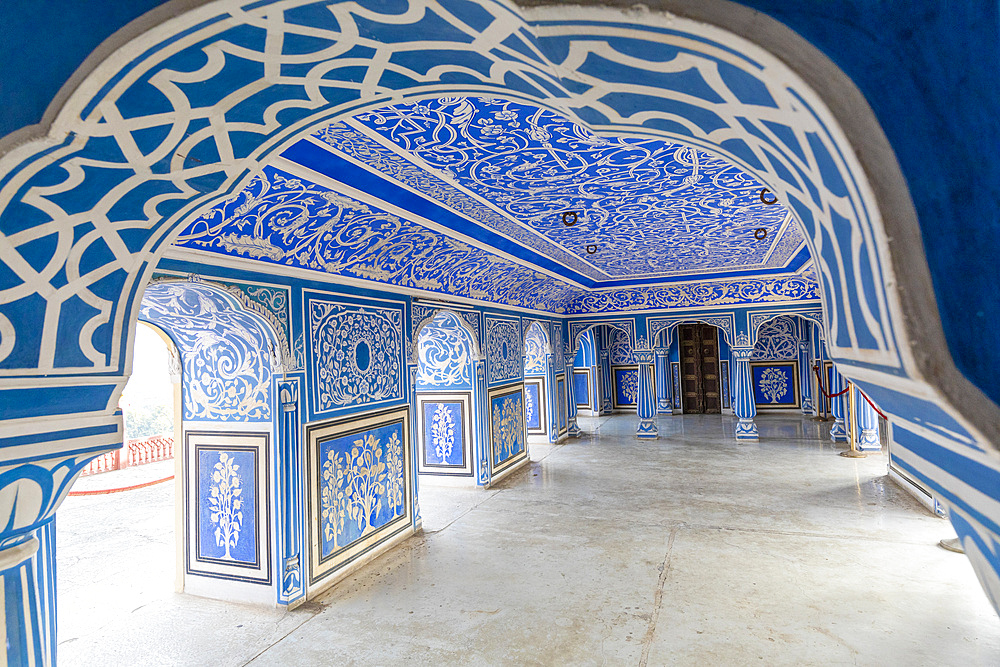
(135, 453)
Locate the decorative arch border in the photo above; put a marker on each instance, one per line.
(527, 323)
(577, 329)
(655, 326)
(757, 320)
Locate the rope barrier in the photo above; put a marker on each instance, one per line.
(100, 492)
(819, 378)
(869, 401)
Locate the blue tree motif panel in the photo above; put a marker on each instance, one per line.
(777, 340)
(561, 402)
(535, 413)
(504, 360)
(501, 150)
(581, 387)
(227, 505)
(227, 512)
(775, 384)
(626, 387)
(224, 350)
(535, 342)
(362, 485)
(444, 434)
(444, 355)
(507, 427)
(356, 353)
(360, 488)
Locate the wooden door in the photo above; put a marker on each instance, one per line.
(700, 382)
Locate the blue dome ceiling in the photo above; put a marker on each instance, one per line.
(440, 194)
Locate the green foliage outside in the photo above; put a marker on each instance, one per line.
(145, 420)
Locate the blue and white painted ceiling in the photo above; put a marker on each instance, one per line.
(498, 200)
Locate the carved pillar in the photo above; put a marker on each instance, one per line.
(663, 399)
(743, 403)
(289, 499)
(415, 447)
(647, 396)
(868, 440)
(805, 377)
(838, 432)
(30, 492)
(607, 384)
(573, 428)
(550, 384)
(481, 419)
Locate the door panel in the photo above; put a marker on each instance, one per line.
(700, 382)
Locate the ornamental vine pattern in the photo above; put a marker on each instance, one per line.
(534, 350)
(533, 164)
(503, 350)
(620, 348)
(224, 351)
(357, 354)
(629, 384)
(444, 354)
(777, 340)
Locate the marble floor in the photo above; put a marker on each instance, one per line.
(607, 550)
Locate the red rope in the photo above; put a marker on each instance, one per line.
(100, 492)
(880, 413)
(825, 393)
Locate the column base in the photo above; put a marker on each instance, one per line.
(869, 442)
(807, 407)
(837, 432)
(573, 430)
(647, 429)
(746, 429)
(665, 411)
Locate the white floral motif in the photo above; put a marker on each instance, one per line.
(225, 504)
(630, 385)
(529, 406)
(773, 384)
(508, 429)
(777, 340)
(534, 350)
(443, 432)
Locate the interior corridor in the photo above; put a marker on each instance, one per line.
(690, 549)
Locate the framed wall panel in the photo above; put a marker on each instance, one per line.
(359, 486)
(775, 384)
(507, 432)
(444, 426)
(675, 375)
(535, 412)
(581, 379)
(626, 394)
(724, 374)
(227, 506)
(561, 402)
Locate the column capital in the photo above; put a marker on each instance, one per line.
(643, 356)
(661, 351)
(742, 353)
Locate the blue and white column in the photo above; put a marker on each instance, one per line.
(607, 384)
(647, 396)
(838, 432)
(288, 463)
(743, 403)
(805, 377)
(573, 429)
(868, 440)
(663, 402)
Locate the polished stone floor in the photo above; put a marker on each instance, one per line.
(691, 549)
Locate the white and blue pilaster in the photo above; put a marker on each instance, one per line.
(573, 429)
(647, 396)
(664, 404)
(743, 399)
(868, 437)
(838, 432)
